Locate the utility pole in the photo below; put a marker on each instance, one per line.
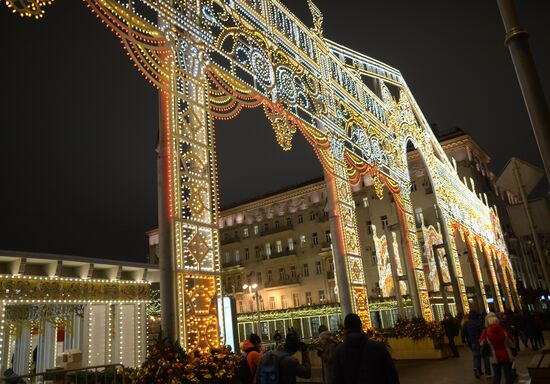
(529, 82)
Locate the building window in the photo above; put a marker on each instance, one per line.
(296, 299)
(374, 260)
(256, 230)
(272, 302)
(258, 252)
(241, 306)
(268, 250)
(369, 227)
(413, 186)
(318, 268)
(246, 254)
(292, 271)
(303, 241)
(238, 282)
(279, 246)
(328, 237)
(418, 217)
(300, 219)
(289, 221)
(384, 220)
(259, 277)
(312, 216)
(282, 274)
(276, 223)
(436, 212)
(237, 256)
(266, 227)
(227, 257)
(290, 244)
(306, 270)
(245, 232)
(322, 297)
(284, 303)
(365, 201)
(309, 301)
(269, 276)
(428, 186)
(331, 265)
(314, 238)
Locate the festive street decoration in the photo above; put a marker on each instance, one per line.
(210, 59)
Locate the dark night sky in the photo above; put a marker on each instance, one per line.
(78, 123)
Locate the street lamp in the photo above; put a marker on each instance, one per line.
(250, 288)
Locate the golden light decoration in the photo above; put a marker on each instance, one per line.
(211, 59)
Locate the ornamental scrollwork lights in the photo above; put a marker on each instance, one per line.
(210, 59)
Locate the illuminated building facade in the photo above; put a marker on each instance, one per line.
(210, 59)
(92, 309)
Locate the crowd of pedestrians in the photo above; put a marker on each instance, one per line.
(494, 339)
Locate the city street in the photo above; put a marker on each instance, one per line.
(448, 371)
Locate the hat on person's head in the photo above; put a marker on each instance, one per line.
(352, 322)
(254, 339)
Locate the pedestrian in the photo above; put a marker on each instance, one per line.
(501, 344)
(252, 355)
(471, 332)
(277, 337)
(360, 360)
(282, 366)
(451, 331)
(326, 351)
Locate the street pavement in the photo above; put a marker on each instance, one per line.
(448, 371)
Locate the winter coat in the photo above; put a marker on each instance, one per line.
(501, 343)
(327, 353)
(451, 327)
(253, 357)
(362, 361)
(471, 330)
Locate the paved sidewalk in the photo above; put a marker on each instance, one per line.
(448, 371)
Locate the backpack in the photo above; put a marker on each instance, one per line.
(243, 374)
(269, 371)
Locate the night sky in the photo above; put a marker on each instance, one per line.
(78, 124)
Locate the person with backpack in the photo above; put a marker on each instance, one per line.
(252, 355)
(281, 366)
(451, 331)
(360, 360)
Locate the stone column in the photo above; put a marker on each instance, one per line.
(46, 347)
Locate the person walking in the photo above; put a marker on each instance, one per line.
(326, 351)
(281, 366)
(451, 331)
(252, 355)
(359, 360)
(501, 343)
(471, 332)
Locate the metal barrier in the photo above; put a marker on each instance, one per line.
(99, 374)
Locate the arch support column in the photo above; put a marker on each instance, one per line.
(348, 263)
(493, 277)
(476, 273)
(415, 268)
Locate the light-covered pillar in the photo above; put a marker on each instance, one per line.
(477, 275)
(4, 358)
(140, 333)
(46, 347)
(21, 350)
(493, 279)
(348, 262)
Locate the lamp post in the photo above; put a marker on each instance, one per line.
(250, 288)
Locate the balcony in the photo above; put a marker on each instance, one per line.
(231, 264)
(290, 280)
(284, 253)
(281, 228)
(330, 275)
(230, 239)
(326, 245)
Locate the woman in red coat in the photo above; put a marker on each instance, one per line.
(501, 343)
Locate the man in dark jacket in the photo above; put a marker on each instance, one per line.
(471, 332)
(360, 360)
(451, 330)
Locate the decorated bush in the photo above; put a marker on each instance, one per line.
(169, 363)
(418, 328)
